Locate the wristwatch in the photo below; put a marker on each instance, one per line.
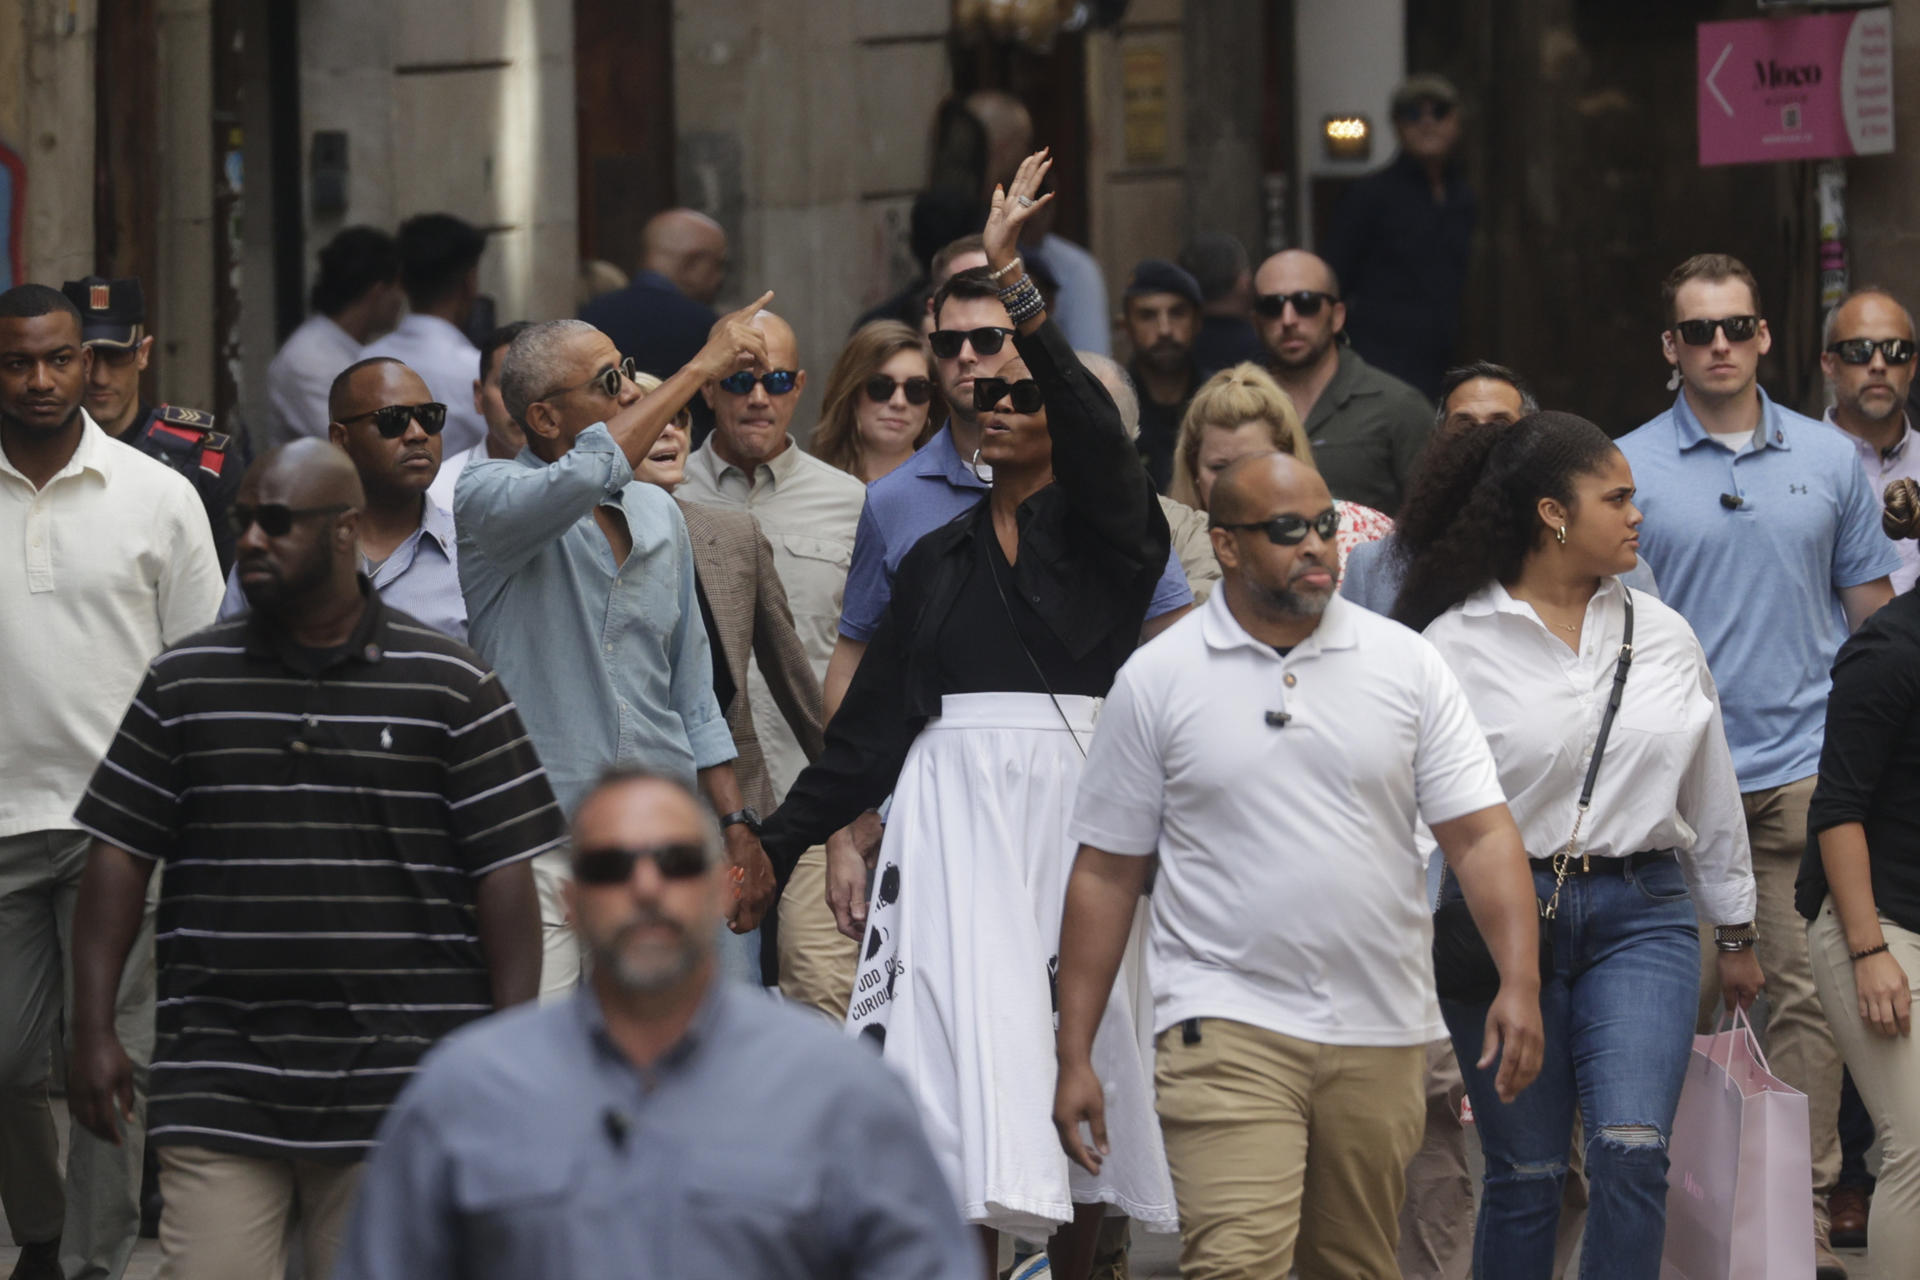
(1735, 937)
(748, 817)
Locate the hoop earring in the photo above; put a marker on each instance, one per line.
(973, 465)
(1560, 535)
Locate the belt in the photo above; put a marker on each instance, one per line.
(1583, 865)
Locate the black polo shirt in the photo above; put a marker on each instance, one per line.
(324, 818)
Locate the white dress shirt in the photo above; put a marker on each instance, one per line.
(1666, 781)
(300, 376)
(448, 364)
(100, 570)
(809, 511)
(1291, 894)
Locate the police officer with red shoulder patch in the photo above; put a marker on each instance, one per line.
(113, 316)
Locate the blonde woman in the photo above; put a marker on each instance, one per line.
(881, 402)
(1242, 410)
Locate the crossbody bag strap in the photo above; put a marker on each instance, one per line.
(1563, 860)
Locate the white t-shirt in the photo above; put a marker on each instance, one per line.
(1291, 893)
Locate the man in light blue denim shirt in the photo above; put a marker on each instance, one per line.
(580, 591)
(660, 1122)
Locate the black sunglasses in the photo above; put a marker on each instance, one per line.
(880, 389)
(391, 420)
(1306, 302)
(1699, 333)
(777, 382)
(607, 380)
(946, 343)
(1860, 350)
(614, 864)
(1410, 112)
(1026, 394)
(1290, 530)
(275, 518)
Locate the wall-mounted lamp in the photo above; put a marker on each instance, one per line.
(1347, 137)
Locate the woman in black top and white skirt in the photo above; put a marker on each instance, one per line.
(973, 707)
(1860, 890)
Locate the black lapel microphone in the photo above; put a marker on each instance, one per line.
(1277, 719)
(617, 1126)
(1732, 501)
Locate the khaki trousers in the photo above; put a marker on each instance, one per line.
(1436, 1221)
(97, 1216)
(1286, 1153)
(226, 1215)
(817, 961)
(1887, 1073)
(1800, 1045)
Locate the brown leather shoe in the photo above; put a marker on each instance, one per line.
(1847, 1207)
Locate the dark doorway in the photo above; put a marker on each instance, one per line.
(623, 79)
(1053, 86)
(1581, 142)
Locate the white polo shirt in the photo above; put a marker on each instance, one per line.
(100, 570)
(1291, 893)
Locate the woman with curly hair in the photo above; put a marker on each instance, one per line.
(1514, 541)
(1242, 410)
(881, 402)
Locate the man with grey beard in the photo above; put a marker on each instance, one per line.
(636, 1128)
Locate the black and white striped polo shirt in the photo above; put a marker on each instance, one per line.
(324, 820)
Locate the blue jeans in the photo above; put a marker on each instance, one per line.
(1618, 1013)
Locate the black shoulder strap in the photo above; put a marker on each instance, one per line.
(1620, 666)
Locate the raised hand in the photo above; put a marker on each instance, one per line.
(733, 342)
(1013, 206)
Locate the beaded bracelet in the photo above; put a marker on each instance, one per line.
(1022, 300)
(995, 275)
(1870, 951)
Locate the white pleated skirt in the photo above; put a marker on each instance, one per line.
(958, 964)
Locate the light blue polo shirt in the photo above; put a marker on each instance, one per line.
(1760, 583)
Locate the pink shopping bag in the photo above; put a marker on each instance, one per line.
(1740, 1172)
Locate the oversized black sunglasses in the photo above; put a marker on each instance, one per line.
(391, 420)
(276, 518)
(777, 382)
(1410, 112)
(1306, 302)
(1699, 333)
(1290, 530)
(614, 864)
(946, 343)
(1026, 394)
(1860, 350)
(607, 380)
(880, 389)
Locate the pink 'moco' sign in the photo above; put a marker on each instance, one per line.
(1796, 88)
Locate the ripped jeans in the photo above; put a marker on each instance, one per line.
(1618, 1013)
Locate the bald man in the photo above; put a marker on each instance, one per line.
(809, 512)
(346, 803)
(387, 424)
(1367, 427)
(661, 319)
(1871, 391)
(1279, 722)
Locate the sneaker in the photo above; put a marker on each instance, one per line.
(1034, 1268)
(1847, 1208)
